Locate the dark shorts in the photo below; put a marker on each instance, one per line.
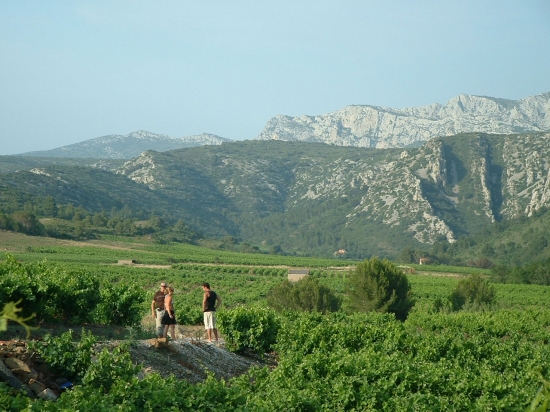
(167, 320)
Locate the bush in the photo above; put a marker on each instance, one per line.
(249, 328)
(64, 356)
(120, 304)
(474, 290)
(188, 313)
(110, 367)
(306, 295)
(55, 294)
(379, 285)
(13, 399)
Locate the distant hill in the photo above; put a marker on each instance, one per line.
(384, 127)
(516, 241)
(316, 199)
(16, 163)
(128, 146)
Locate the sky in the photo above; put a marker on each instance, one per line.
(76, 70)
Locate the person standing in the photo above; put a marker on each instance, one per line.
(157, 309)
(169, 318)
(210, 302)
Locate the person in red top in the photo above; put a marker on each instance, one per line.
(210, 302)
(157, 309)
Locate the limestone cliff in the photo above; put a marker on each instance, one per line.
(383, 127)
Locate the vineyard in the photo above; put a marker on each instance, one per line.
(486, 359)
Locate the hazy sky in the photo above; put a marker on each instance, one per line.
(75, 70)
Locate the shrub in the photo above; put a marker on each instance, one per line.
(249, 328)
(306, 295)
(474, 290)
(121, 304)
(64, 356)
(188, 313)
(110, 367)
(379, 285)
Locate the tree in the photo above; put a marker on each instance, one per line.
(49, 207)
(28, 223)
(306, 295)
(472, 290)
(100, 219)
(380, 286)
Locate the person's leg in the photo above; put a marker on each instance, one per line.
(158, 325)
(205, 318)
(165, 333)
(214, 326)
(208, 319)
(173, 331)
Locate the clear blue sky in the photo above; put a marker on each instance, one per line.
(76, 70)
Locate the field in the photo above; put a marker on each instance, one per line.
(465, 361)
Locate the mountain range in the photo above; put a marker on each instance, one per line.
(383, 127)
(312, 198)
(368, 192)
(356, 125)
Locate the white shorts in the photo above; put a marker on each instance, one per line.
(209, 320)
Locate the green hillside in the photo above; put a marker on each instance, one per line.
(315, 199)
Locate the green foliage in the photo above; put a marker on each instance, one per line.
(474, 290)
(305, 295)
(541, 402)
(537, 273)
(364, 361)
(460, 362)
(12, 400)
(64, 356)
(10, 312)
(511, 242)
(120, 304)
(379, 285)
(252, 328)
(188, 312)
(74, 296)
(109, 367)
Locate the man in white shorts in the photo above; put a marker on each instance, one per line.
(210, 302)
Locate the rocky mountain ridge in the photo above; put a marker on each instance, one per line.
(376, 200)
(128, 146)
(383, 127)
(314, 198)
(354, 125)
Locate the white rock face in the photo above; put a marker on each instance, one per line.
(382, 127)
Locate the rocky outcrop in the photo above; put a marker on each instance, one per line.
(23, 369)
(383, 127)
(140, 170)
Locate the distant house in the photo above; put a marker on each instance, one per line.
(424, 261)
(340, 252)
(294, 275)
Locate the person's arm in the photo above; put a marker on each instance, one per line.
(205, 301)
(219, 301)
(153, 308)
